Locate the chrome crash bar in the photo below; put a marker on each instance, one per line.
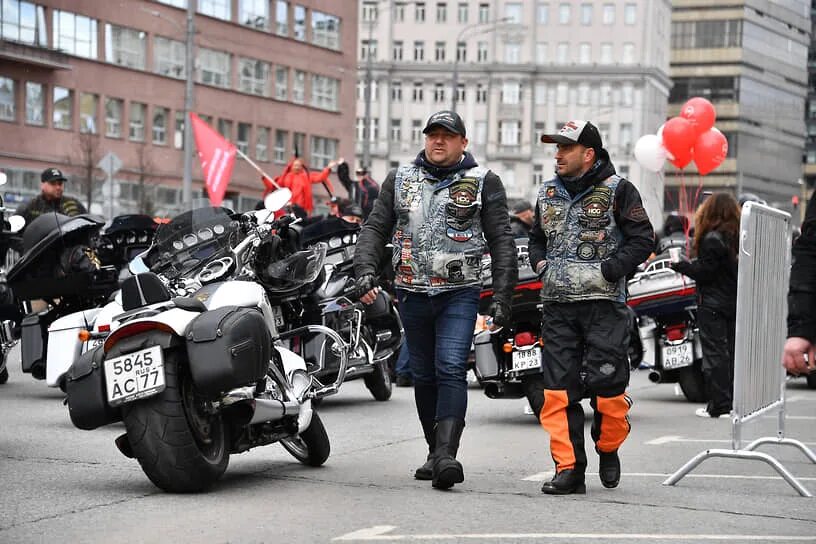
(340, 347)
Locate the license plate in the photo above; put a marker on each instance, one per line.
(277, 314)
(134, 375)
(678, 356)
(527, 359)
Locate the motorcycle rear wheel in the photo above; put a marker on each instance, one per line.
(180, 447)
(4, 375)
(312, 446)
(379, 382)
(692, 383)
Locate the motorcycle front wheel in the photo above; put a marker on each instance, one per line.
(311, 447)
(181, 447)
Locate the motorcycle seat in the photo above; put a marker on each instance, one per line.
(190, 304)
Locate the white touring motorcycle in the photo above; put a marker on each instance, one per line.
(194, 363)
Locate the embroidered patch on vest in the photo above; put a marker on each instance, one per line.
(586, 251)
(463, 191)
(637, 214)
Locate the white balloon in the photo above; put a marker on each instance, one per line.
(650, 153)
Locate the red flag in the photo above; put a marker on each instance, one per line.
(217, 157)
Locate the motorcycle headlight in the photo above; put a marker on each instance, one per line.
(335, 242)
(347, 239)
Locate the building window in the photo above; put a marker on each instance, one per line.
(63, 108)
(439, 93)
(417, 95)
(481, 94)
(609, 14)
(511, 93)
(561, 94)
(439, 51)
(586, 14)
(540, 94)
(398, 12)
(35, 104)
(253, 76)
(628, 56)
(441, 12)
(168, 57)
(542, 13)
(324, 92)
(225, 128)
(541, 52)
(625, 137)
(484, 13)
(136, 122)
(512, 12)
(281, 17)
(564, 14)
(396, 91)
(583, 94)
(416, 131)
(214, 68)
(481, 52)
(419, 51)
(88, 104)
(396, 51)
(299, 87)
(627, 94)
(538, 173)
(281, 82)
(512, 53)
(325, 30)
(419, 12)
(606, 53)
(178, 132)
(300, 23)
(460, 92)
(160, 125)
(396, 130)
(299, 144)
(480, 132)
(584, 53)
(562, 53)
(220, 9)
(23, 22)
(462, 13)
(8, 112)
(242, 141)
(75, 34)
(370, 12)
(630, 14)
(254, 13)
(262, 143)
(125, 46)
(706, 34)
(324, 150)
(113, 118)
(461, 52)
(360, 128)
(606, 94)
(509, 133)
(279, 151)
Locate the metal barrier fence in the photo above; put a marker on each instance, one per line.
(759, 378)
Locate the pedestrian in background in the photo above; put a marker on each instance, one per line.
(714, 270)
(521, 219)
(590, 232)
(799, 356)
(298, 179)
(51, 198)
(441, 212)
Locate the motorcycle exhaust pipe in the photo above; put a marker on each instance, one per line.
(271, 409)
(494, 391)
(655, 376)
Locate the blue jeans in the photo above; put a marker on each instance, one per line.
(403, 368)
(439, 332)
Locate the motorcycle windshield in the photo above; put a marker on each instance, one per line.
(296, 270)
(192, 239)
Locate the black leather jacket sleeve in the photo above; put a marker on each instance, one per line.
(377, 231)
(500, 243)
(537, 245)
(638, 233)
(715, 272)
(802, 293)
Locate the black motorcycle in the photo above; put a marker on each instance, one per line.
(11, 248)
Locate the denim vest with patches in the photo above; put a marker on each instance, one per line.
(438, 242)
(581, 233)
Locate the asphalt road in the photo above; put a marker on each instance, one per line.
(60, 484)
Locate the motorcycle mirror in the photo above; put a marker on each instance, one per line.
(276, 200)
(3, 178)
(16, 222)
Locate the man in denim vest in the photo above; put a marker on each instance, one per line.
(590, 232)
(441, 212)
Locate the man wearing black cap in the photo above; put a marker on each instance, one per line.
(51, 198)
(521, 219)
(438, 211)
(589, 232)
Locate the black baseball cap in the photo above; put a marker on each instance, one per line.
(447, 119)
(576, 132)
(52, 174)
(351, 208)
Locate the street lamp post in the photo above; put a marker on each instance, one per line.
(490, 26)
(367, 99)
(187, 180)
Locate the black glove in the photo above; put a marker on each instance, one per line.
(501, 313)
(364, 284)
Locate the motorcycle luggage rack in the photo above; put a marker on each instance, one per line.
(342, 348)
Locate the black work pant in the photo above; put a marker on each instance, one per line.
(717, 336)
(585, 351)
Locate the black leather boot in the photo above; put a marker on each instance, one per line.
(609, 469)
(425, 472)
(446, 469)
(565, 482)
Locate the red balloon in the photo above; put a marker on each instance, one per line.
(678, 139)
(682, 160)
(700, 113)
(710, 151)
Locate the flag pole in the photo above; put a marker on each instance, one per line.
(256, 167)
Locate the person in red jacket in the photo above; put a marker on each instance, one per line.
(297, 178)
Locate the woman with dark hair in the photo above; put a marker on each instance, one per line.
(714, 269)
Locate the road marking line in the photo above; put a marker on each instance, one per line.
(380, 532)
(673, 438)
(544, 476)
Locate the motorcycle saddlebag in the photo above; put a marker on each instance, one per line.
(32, 349)
(87, 395)
(485, 354)
(227, 347)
